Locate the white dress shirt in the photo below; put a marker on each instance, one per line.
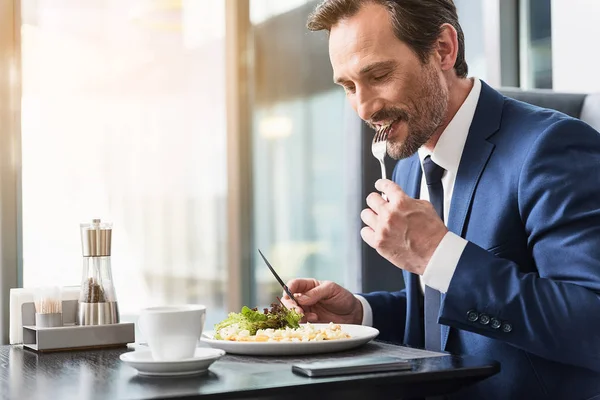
(447, 154)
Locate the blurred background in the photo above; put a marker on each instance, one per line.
(205, 129)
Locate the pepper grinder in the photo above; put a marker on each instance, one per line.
(97, 300)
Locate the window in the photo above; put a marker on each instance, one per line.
(478, 21)
(536, 44)
(555, 45)
(306, 186)
(574, 31)
(123, 118)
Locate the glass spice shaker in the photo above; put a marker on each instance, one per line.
(97, 299)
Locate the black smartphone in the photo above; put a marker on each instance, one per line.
(357, 365)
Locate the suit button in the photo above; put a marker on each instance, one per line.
(507, 327)
(484, 319)
(494, 323)
(472, 315)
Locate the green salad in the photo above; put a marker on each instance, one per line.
(278, 317)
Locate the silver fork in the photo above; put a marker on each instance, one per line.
(379, 150)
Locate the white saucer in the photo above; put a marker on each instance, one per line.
(142, 361)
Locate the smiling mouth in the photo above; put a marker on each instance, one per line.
(385, 129)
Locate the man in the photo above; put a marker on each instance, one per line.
(493, 213)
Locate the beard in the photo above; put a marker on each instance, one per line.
(429, 106)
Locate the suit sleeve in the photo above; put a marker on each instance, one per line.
(389, 314)
(554, 313)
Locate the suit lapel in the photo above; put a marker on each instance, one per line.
(476, 154)
(413, 178)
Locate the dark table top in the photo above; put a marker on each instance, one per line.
(99, 374)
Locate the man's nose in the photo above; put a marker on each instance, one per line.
(367, 104)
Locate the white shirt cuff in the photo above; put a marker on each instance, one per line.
(367, 311)
(443, 262)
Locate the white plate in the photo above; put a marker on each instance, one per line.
(359, 335)
(142, 361)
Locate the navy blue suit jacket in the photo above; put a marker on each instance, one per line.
(526, 288)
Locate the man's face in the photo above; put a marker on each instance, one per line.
(385, 81)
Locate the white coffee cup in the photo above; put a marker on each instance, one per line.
(172, 332)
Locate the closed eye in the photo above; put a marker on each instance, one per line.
(349, 88)
(380, 78)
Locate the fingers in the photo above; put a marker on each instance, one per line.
(390, 188)
(291, 304)
(368, 235)
(318, 293)
(301, 285)
(376, 202)
(297, 287)
(368, 217)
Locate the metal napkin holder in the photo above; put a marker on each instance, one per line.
(71, 336)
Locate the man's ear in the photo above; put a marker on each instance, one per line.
(446, 48)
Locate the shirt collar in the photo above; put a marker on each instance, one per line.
(448, 150)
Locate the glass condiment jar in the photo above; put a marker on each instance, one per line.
(97, 300)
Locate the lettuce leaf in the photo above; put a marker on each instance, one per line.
(278, 317)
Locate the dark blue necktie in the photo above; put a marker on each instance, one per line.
(433, 177)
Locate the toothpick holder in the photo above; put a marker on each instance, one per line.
(48, 320)
(70, 336)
